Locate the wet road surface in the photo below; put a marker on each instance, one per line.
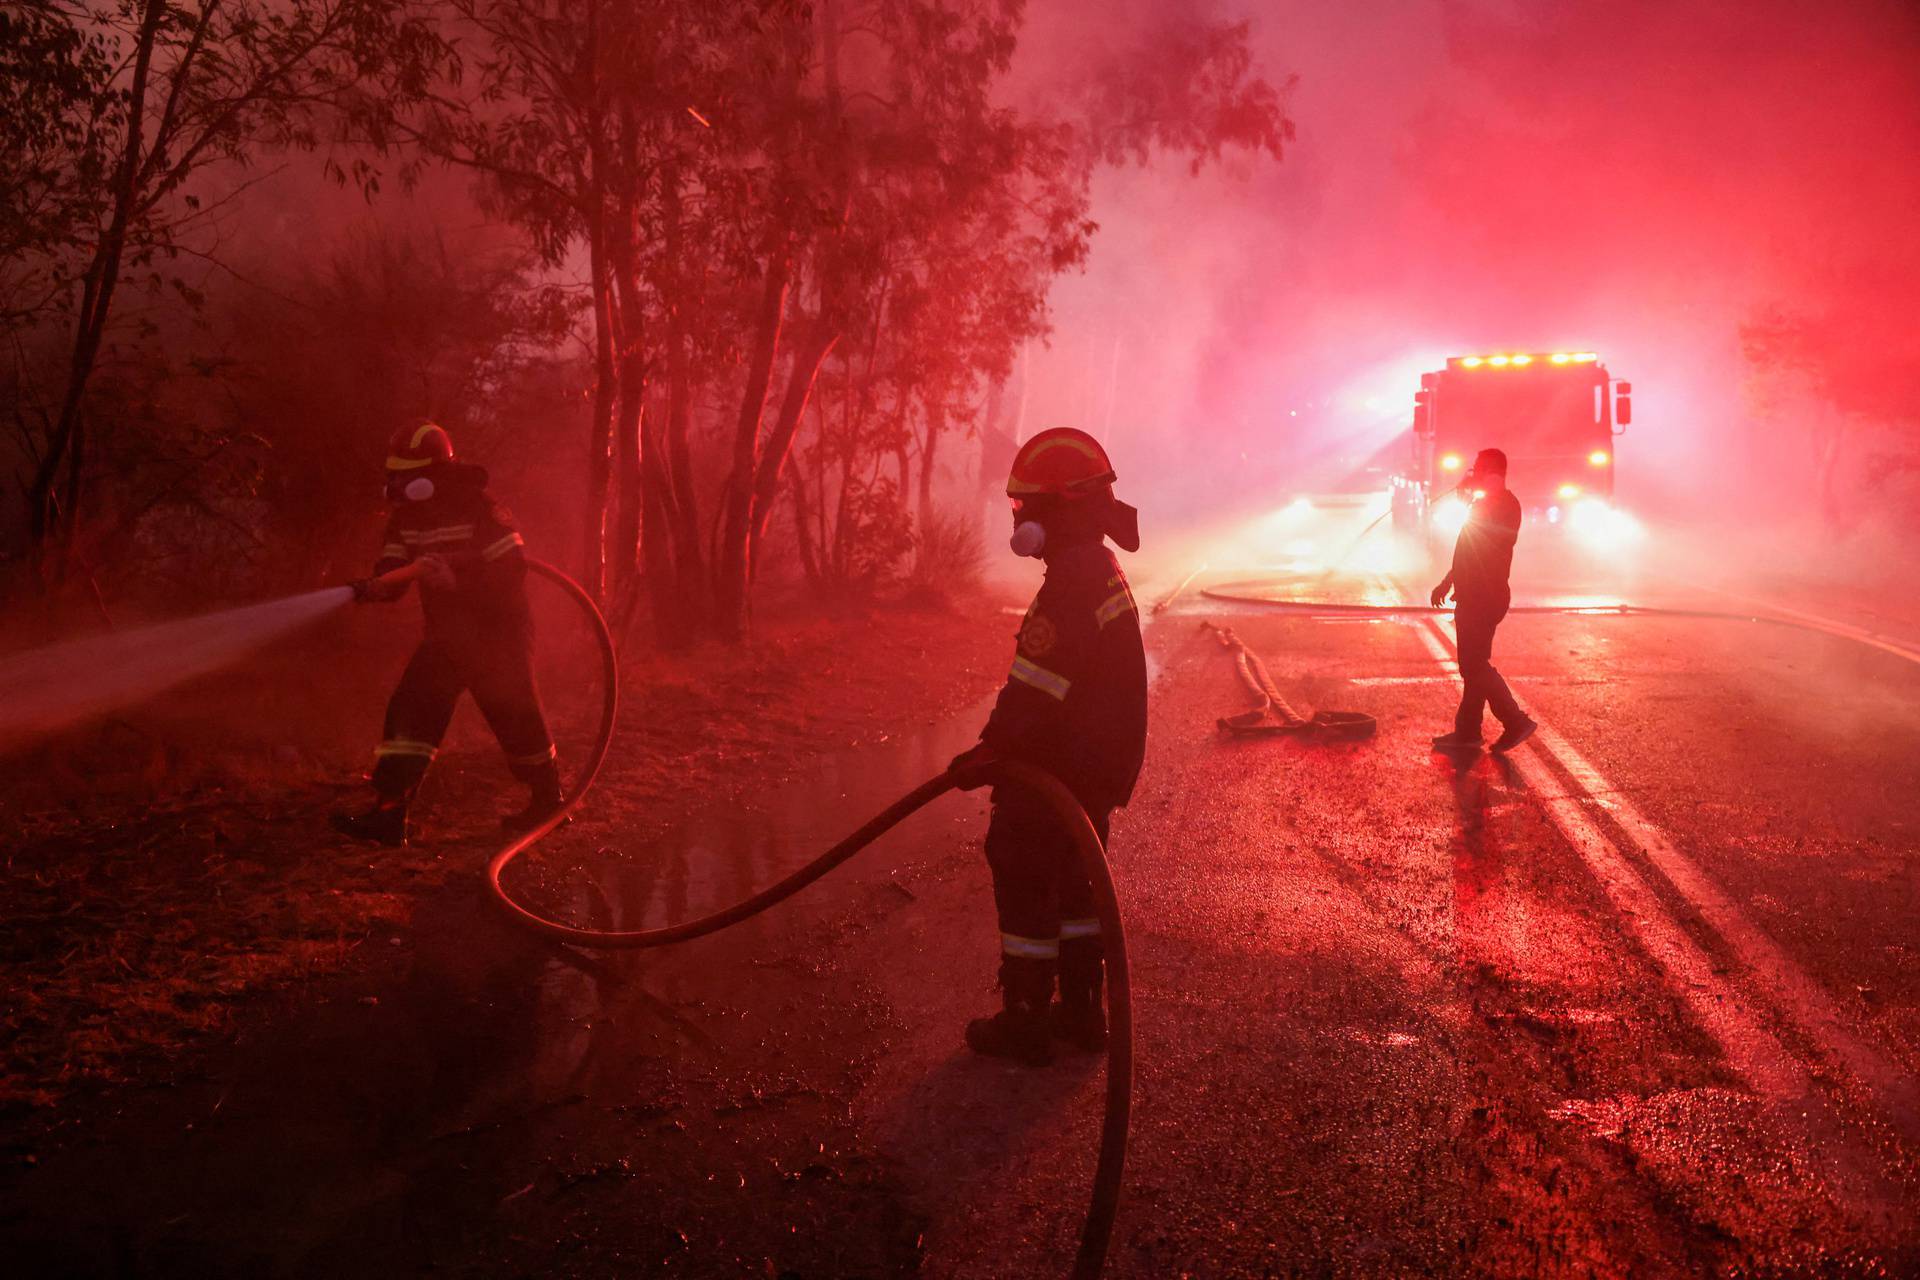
(1643, 1000)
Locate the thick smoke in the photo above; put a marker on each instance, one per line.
(1641, 179)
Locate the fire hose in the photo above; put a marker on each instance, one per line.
(1244, 593)
(1111, 1163)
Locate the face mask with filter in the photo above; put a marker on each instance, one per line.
(416, 489)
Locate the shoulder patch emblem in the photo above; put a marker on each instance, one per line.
(1038, 636)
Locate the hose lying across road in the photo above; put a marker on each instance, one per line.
(1243, 593)
(1113, 1134)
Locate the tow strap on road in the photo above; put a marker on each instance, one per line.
(1275, 716)
(1110, 1166)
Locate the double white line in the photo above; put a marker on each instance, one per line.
(1738, 1023)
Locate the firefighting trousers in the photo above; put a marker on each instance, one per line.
(1040, 890)
(1481, 686)
(501, 681)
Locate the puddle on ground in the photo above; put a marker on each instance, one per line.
(725, 854)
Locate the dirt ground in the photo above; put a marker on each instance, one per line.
(1637, 1000)
(172, 880)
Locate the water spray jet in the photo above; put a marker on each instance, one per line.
(44, 691)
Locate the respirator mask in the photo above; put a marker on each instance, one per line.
(1104, 516)
(405, 488)
(1029, 538)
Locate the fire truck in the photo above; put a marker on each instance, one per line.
(1556, 415)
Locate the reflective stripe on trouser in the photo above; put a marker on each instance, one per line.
(1040, 889)
(501, 681)
(1012, 944)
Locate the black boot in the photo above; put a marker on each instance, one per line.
(1020, 1030)
(1081, 1016)
(385, 823)
(545, 801)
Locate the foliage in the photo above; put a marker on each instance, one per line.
(126, 108)
(809, 238)
(1841, 361)
(951, 560)
(390, 329)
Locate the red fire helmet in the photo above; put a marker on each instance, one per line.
(415, 447)
(1062, 461)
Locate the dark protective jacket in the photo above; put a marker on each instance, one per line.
(1075, 703)
(1483, 553)
(487, 604)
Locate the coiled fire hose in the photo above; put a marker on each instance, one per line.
(1274, 715)
(1111, 1165)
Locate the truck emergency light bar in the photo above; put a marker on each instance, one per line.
(1521, 361)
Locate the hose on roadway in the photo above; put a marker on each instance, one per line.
(1111, 1165)
(1244, 593)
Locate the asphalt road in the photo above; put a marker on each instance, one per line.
(1642, 1000)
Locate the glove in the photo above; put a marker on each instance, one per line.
(379, 590)
(1440, 594)
(965, 765)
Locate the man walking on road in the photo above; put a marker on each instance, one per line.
(1482, 561)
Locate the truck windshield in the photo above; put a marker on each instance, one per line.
(1530, 415)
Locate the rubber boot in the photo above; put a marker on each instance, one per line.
(545, 801)
(1020, 1030)
(385, 823)
(1080, 1018)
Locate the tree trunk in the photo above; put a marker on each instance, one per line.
(593, 554)
(593, 557)
(803, 534)
(807, 359)
(930, 444)
(731, 584)
(692, 590)
(623, 558)
(630, 362)
(53, 521)
(670, 626)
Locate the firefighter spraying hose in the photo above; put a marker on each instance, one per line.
(1061, 751)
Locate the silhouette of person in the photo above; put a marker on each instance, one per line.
(1477, 581)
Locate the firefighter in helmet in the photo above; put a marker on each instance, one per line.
(478, 639)
(1075, 705)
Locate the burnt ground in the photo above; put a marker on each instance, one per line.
(1643, 1000)
(192, 954)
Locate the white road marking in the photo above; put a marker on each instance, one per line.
(1897, 645)
(1795, 994)
(1750, 1050)
(1790, 992)
(1364, 681)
